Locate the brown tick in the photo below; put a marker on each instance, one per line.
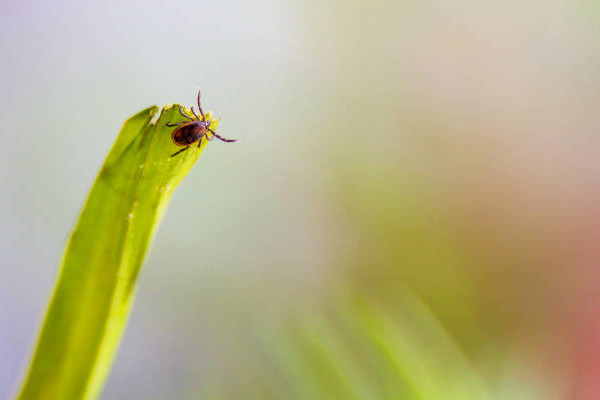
(193, 130)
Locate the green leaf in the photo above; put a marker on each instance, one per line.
(95, 289)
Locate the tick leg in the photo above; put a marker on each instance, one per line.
(170, 125)
(199, 142)
(200, 107)
(194, 112)
(221, 138)
(184, 114)
(177, 152)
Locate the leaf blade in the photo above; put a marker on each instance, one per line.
(94, 291)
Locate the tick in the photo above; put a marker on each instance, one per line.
(193, 130)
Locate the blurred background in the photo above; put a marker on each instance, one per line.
(413, 212)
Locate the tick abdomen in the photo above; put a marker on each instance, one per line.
(188, 134)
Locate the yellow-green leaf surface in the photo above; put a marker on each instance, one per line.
(93, 296)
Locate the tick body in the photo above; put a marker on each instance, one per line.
(193, 130)
(189, 133)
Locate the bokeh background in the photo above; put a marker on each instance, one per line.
(413, 212)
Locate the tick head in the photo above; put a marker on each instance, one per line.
(210, 121)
